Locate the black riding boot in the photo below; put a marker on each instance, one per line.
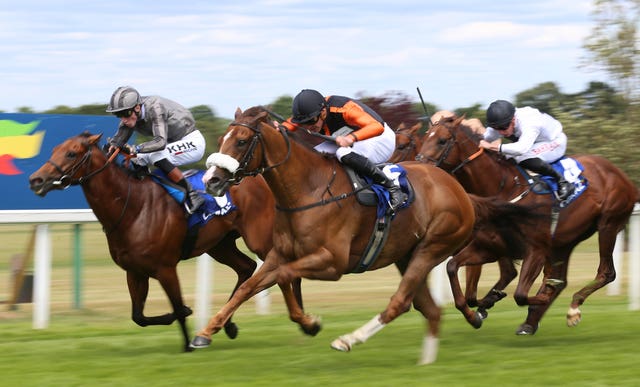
(193, 200)
(365, 167)
(565, 189)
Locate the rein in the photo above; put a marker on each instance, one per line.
(66, 181)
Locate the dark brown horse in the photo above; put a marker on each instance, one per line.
(146, 228)
(605, 207)
(322, 231)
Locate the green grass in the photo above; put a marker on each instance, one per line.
(88, 349)
(98, 345)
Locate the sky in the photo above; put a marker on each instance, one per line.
(230, 54)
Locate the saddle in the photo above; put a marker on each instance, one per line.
(370, 194)
(570, 168)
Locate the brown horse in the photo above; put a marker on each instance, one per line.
(146, 228)
(605, 206)
(408, 143)
(321, 230)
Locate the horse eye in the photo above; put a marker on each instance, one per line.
(442, 141)
(242, 142)
(71, 155)
(402, 146)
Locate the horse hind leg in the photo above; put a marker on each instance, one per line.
(606, 274)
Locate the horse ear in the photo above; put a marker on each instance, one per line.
(416, 127)
(458, 120)
(238, 113)
(400, 127)
(95, 138)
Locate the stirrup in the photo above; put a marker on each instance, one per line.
(568, 191)
(401, 197)
(193, 202)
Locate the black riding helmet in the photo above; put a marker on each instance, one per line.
(500, 113)
(307, 105)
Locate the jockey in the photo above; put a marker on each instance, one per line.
(175, 141)
(537, 138)
(370, 141)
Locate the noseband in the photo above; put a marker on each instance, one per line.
(65, 180)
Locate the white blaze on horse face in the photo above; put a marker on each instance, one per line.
(431, 134)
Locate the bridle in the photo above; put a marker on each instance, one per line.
(65, 180)
(241, 172)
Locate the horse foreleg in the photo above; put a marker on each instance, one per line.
(168, 278)
(227, 253)
(507, 274)
(472, 278)
(138, 290)
(264, 278)
(458, 298)
(309, 324)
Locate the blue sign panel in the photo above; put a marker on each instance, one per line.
(26, 142)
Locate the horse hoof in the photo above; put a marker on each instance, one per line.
(231, 330)
(200, 342)
(314, 328)
(476, 322)
(526, 330)
(483, 313)
(340, 345)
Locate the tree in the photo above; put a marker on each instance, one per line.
(613, 43)
(395, 107)
(540, 97)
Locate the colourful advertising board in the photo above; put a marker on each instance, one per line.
(26, 141)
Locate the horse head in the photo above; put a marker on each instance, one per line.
(240, 154)
(408, 142)
(441, 144)
(68, 165)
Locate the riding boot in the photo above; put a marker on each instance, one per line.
(365, 167)
(193, 200)
(565, 189)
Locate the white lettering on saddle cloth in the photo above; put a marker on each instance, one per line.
(393, 172)
(571, 170)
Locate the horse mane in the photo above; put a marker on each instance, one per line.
(140, 174)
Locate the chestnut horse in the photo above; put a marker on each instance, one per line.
(605, 206)
(408, 143)
(146, 228)
(321, 231)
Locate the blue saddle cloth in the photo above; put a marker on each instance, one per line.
(213, 206)
(572, 170)
(398, 173)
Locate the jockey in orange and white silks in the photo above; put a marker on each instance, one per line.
(369, 140)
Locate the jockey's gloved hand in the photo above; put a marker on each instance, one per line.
(130, 149)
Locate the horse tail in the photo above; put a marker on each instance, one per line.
(514, 224)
